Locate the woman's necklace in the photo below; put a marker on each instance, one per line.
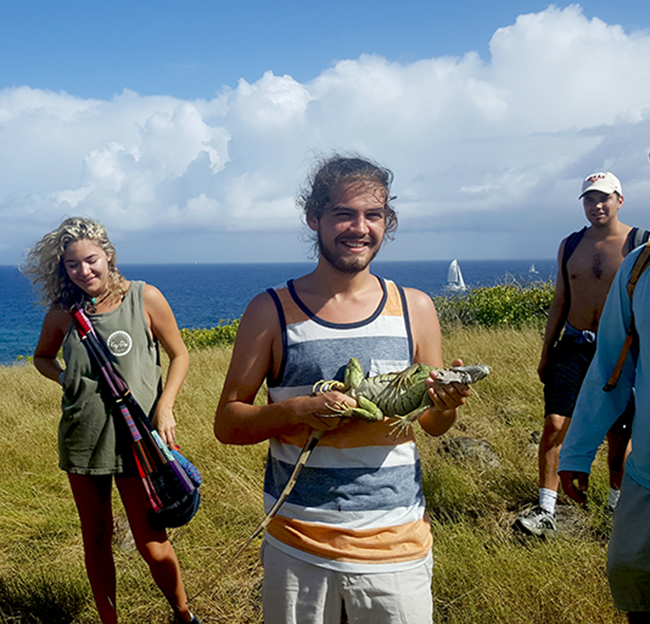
(93, 302)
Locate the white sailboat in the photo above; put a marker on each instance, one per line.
(455, 281)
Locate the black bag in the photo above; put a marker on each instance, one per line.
(179, 505)
(175, 485)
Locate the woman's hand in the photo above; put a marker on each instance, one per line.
(165, 424)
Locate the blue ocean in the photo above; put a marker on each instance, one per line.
(203, 294)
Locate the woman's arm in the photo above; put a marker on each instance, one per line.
(55, 325)
(163, 326)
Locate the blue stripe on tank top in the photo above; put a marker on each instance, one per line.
(398, 486)
(322, 359)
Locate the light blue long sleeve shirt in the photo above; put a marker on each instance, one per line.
(597, 410)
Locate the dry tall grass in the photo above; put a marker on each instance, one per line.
(482, 572)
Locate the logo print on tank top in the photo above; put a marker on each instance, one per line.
(119, 343)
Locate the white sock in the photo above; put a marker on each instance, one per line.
(612, 499)
(547, 499)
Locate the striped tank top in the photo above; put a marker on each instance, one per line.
(358, 505)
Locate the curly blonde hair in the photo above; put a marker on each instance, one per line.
(44, 262)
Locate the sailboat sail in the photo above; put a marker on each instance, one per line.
(455, 281)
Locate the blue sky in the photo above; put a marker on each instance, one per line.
(191, 49)
(188, 127)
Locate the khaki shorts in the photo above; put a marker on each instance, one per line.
(296, 592)
(628, 561)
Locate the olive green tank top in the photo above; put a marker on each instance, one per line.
(93, 438)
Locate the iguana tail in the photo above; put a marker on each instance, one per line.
(309, 446)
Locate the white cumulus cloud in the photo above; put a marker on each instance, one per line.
(488, 154)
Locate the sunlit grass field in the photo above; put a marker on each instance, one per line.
(482, 572)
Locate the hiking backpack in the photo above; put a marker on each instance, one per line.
(640, 265)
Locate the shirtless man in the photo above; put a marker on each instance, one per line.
(587, 263)
(353, 535)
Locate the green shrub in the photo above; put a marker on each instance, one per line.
(504, 305)
(222, 335)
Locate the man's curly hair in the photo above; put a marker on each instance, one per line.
(332, 173)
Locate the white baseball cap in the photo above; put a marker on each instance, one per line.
(603, 181)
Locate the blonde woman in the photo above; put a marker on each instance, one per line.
(76, 264)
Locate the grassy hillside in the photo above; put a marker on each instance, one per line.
(482, 573)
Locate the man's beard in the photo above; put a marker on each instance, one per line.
(345, 265)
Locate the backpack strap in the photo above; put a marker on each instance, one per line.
(637, 237)
(640, 265)
(570, 244)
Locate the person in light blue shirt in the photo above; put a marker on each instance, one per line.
(628, 565)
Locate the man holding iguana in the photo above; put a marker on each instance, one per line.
(587, 263)
(353, 535)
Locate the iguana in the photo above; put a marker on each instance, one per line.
(401, 395)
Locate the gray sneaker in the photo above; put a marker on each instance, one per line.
(537, 522)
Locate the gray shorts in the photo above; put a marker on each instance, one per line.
(296, 592)
(628, 561)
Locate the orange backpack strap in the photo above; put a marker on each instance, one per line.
(640, 265)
